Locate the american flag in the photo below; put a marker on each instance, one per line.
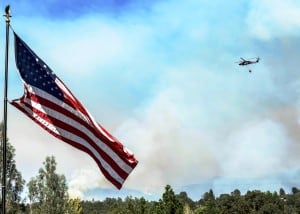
(48, 102)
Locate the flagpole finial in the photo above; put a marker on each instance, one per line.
(7, 13)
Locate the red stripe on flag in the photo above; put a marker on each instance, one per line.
(117, 147)
(74, 144)
(77, 131)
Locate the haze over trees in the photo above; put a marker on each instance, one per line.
(48, 193)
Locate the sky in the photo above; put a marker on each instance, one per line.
(162, 77)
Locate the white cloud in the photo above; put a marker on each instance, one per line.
(254, 150)
(83, 180)
(168, 149)
(84, 45)
(273, 18)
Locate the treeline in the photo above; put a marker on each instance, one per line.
(170, 203)
(251, 202)
(48, 194)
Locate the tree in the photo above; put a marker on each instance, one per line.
(201, 210)
(170, 203)
(142, 205)
(184, 199)
(260, 202)
(232, 203)
(209, 195)
(295, 190)
(48, 190)
(236, 193)
(209, 201)
(74, 206)
(281, 192)
(14, 180)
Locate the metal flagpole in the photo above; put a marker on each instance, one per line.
(7, 20)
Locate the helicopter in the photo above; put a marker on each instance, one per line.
(244, 62)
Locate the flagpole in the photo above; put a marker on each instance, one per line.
(7, 20)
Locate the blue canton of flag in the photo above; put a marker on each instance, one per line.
(34, 71)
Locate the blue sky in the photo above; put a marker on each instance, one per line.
(162, 77)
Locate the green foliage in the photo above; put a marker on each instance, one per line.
(94, 207)
(74, 206)
(48, 190)
(14, 180)
(258, 201)
(201, 210)
(252, 202)
(234, 203)
(170, 203)
(281, 192)
(184, 199)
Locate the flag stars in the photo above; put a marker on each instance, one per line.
(35, 72)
